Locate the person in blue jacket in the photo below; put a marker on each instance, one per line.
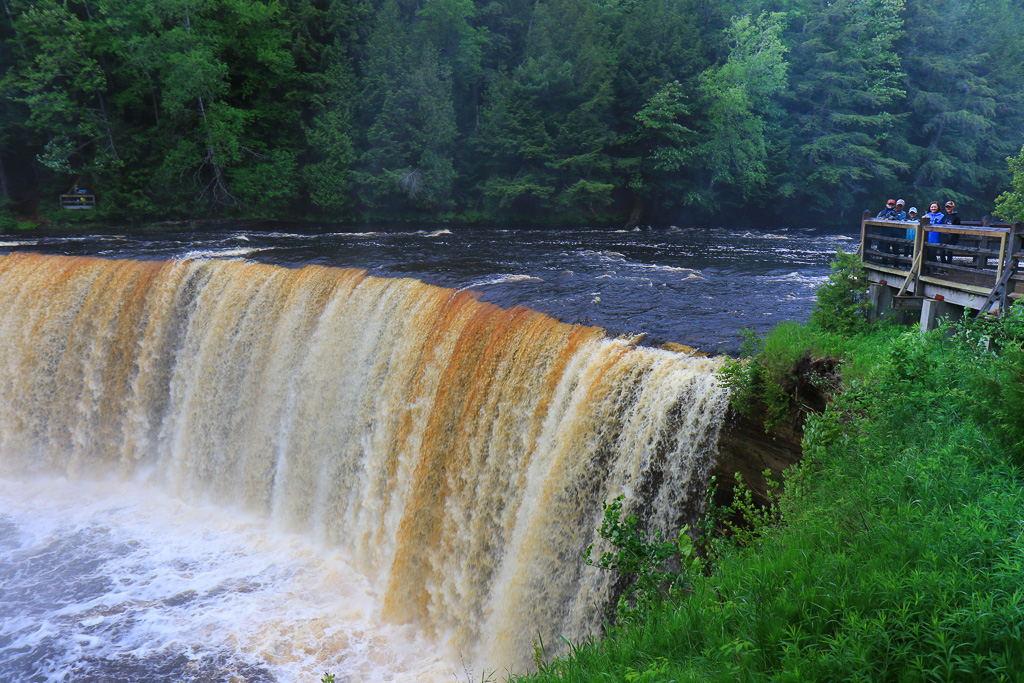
(911, 232)
(934, 217)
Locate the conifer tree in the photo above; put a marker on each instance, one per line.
(957, 95)
(846, 101)
(328, 39)
(551, 120)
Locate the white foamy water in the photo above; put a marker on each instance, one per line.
(237, 252)
(109, 581)
(503, 278)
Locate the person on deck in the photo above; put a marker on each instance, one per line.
(888, 211)
(934, 217)
(896, 214)
(951, 217)
(899, 214)
(885, 214)
(911, 232)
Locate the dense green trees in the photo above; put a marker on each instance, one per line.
(847, 102)
(555, 111)
(1010, 204)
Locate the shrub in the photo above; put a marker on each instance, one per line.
(1010, 204)
(648, 565)
(777, 367)
(842, 304)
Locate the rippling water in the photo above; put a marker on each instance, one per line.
(692, 286)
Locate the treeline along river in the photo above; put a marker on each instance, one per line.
(237, 454)
(796, 111)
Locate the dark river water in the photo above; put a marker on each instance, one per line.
(698, 287)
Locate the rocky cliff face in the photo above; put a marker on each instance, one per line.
(746, 447)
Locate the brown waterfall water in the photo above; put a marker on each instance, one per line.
(451, 454)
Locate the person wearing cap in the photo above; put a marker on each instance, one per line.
(911, 232)
(951, 217)
(934, 217)
(896, 214)
(888, 211)
(899, 214)
(885, 214)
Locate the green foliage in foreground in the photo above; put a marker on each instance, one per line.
(645, 562)
(1010, 204)
(899, 549)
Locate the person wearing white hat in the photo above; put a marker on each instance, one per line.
(911, 232)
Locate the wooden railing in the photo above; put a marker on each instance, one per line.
(975, 257)
(77, 201)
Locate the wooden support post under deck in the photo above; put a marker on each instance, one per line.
(930, 313)
(880, 296)
(1002, 257)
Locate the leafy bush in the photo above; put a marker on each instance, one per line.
(765, 375)
(1010, 204)
(991, 352)
(742, 376)
(646, 564)
(10, 223)
(764, 383)
(842, 304)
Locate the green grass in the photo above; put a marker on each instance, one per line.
(899, 550)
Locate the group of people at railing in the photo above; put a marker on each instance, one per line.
(894, 211)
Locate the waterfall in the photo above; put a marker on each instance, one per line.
(455, 452)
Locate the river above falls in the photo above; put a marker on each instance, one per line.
(692, 286)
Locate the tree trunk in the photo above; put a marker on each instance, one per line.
(5, 190)
(221, 195)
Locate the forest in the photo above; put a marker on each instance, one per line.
(545, 112)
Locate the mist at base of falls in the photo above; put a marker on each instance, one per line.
(117, 581)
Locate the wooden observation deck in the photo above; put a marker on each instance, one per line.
(981, 271)
(77, 201)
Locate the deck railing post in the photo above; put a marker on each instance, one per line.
(863, 233)
(1002, 256)
(1012, 262)
(919, 253)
